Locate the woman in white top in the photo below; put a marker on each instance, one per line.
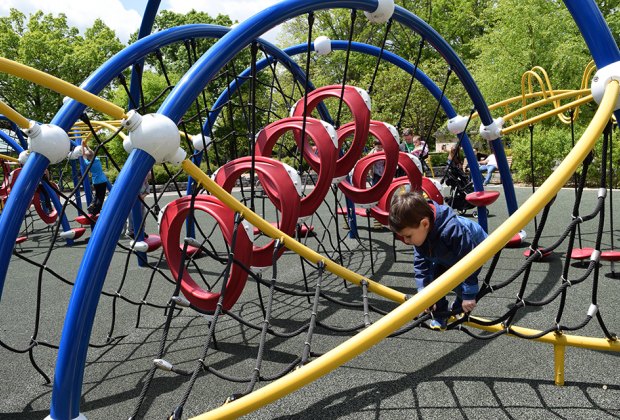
(489, 165)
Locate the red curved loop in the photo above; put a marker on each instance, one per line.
(48, 216)
(431, 190)
(354, 99)
(381, 211)
(407, 163)
(357, 190)
(324, 163)
(173, 221)
(6, 173)
(280, 189)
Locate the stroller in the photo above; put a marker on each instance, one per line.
(460, 185)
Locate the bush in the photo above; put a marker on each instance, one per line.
(550, 146)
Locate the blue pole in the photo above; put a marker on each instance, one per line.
(16, 206)
(89, 284)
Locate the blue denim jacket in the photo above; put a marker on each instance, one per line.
(450, 239)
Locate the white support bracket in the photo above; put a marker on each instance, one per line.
(384, 11)
(156, 134)
(492, 131)
(602, 78)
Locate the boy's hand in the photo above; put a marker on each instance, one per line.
(431, 309)
(469, 305)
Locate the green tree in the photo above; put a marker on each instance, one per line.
(46, 43)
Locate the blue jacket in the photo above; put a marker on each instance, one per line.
(96, 171)
(450, 239)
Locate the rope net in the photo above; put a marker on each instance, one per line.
(222, 307)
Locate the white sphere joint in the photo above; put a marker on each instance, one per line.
(48, 140)
(602, 78)
(322, 45)
(177, 157)
(76, 153)
(23, 157)
(199, 144)
(456, 125)
(127, 145)
(156, 134)
(384, 11)
(492, 131)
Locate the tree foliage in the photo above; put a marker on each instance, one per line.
(47, 43)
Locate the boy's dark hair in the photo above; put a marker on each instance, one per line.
(408, 210)
(407, 132)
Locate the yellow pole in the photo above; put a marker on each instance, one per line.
(546, 101)
(547, 114)
(21, 121)
(9, 158)
(558, 358)
(46, 80)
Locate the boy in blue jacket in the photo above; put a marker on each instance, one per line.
(441, 239)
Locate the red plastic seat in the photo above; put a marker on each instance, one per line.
(544, 252)
(517, 240)
(359, 211)
(581, 253)
(610, 255)
(85, 220)
(192, 251)
(482, 198)
(21, 239)
(153, 241)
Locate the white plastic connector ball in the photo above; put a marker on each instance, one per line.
(23, 157)
(76, 153)
(156, 134)
(48, 140)
(322, 45)
(199, 145)
(492, 131)
(456, 125)
(176, 158)
(384, 11)
(601, 79)
(127, 145)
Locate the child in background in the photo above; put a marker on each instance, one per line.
(99, 180)
(441, 238)
(378, 167)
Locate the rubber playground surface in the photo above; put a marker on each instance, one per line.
(420, 374)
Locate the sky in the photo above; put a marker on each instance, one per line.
(124, 16)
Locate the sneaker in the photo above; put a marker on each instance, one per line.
(438, 324)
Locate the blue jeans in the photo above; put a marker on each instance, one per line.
(489, 170)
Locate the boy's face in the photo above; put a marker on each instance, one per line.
(416, 236)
